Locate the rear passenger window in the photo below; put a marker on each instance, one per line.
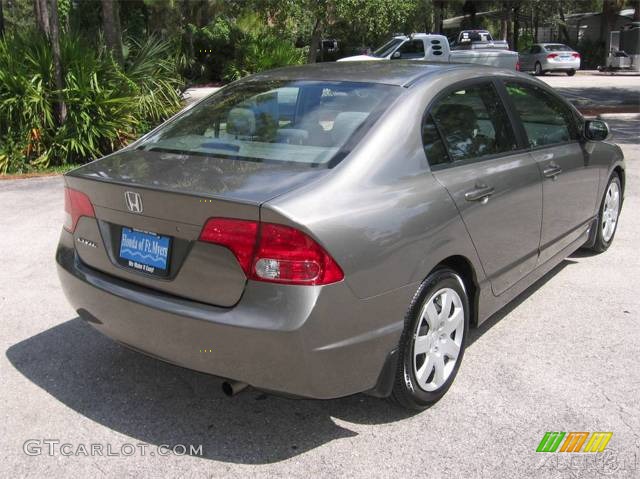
(467, 124)
(433, 145)
(412, 49)
(546, 120)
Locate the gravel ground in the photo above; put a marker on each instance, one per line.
(563, 357)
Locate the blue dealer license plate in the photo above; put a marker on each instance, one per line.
(145, 251)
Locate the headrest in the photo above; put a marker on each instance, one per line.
(456, 116)
(241, 122)
(345, 124)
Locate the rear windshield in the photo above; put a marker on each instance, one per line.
(557, 48)
(304, 122)
(475, 36)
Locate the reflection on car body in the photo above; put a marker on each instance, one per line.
(327, 230)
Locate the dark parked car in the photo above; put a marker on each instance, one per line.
(329, 229)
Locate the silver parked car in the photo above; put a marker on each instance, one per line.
(550, 57)
(329, 229)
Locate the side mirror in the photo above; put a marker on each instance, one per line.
(396, 55)
(596, 130)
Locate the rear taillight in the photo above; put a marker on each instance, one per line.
(76, 204)
(237, 235)
(575, 55)
(287, 255)
(552, 55)
(518, 66)
(272, 252)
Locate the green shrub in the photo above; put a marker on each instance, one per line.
(107, 105)
(151, 70)
(259, 48)
(211, 47)
(592, 53)
(226, 49)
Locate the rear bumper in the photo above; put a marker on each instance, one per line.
(319, 342)
(561, 65)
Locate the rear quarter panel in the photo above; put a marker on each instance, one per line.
(380, 213)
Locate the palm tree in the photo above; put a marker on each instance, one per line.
(111, 27)
(47, 19)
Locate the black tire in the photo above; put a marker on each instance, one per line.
(571, 72)
(406, 390)
(600, 245)
(538, 69)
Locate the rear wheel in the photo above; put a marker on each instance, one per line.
(433, 341)
(571, 72)
(538, 69)
(608, 216)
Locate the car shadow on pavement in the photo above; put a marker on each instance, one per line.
(162, 404)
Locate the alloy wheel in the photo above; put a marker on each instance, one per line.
(438, 339)
(610, 211)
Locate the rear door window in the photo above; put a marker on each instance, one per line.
(412, 49)
(470, 123)
(546, 120)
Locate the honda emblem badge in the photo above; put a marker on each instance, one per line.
(134, 201)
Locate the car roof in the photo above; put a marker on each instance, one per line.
(396, 72)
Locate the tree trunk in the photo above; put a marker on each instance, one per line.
(316, 36)
(503, 29)
(504, 21)
(41, 11)
(111, 26)
(563, 23)
(516, 27)
(610, 10)
(510, 28)
(54, 23)
(1, 21)
(438, 16)
(427, 16)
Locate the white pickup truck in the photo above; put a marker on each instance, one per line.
(435, 48)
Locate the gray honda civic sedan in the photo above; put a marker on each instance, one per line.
(324, 230)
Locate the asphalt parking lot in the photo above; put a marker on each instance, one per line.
(595, 92)
(563, 357)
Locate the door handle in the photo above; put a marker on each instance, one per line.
(479, 193)
(551, 171)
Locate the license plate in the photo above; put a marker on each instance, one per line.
(145, 251)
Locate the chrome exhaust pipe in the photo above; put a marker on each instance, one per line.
(231, 388)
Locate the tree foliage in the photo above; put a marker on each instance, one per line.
(107, 105)
(80, 78)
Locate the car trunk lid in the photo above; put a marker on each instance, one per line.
(150, 208)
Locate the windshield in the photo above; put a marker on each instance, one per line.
(303, 122)
(387, 48)
(557, 48)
